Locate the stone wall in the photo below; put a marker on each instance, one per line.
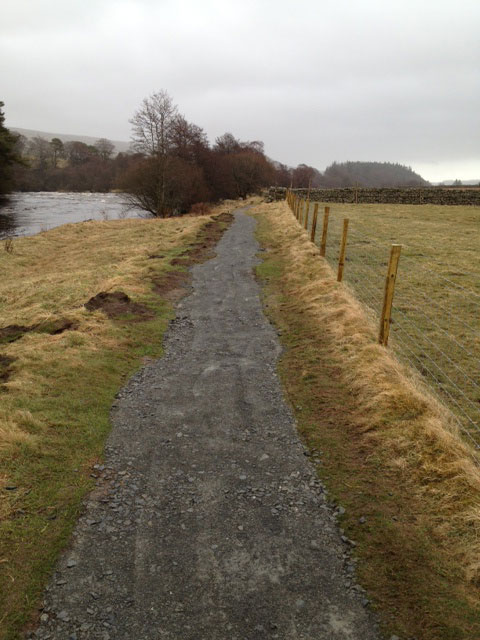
(407, 195)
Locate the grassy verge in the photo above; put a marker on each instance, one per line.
(60, 368)
(436, 308)
(387, 450)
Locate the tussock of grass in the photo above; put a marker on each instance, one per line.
(392, 452)
(55, 401)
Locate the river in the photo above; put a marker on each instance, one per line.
(25, 214)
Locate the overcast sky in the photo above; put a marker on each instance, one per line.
(317, 81)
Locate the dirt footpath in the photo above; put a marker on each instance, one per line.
(208, 522)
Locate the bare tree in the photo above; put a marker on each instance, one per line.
(39, 150)
(153, 125)
(227, 144)
(105, 148)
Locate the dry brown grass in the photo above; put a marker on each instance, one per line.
(54, 274)
(56, 388)
(436, 309)
(400, 436)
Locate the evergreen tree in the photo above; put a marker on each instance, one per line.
(8, 156)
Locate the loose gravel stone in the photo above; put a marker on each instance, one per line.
(208, 521)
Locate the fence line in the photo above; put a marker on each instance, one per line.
(425, 330)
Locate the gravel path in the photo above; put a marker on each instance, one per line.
(208, 522)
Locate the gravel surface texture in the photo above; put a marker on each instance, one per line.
(208, 521)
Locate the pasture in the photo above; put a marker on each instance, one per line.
(436, 309)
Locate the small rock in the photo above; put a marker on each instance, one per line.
(71, 563)
(362, 520)
(63, 615)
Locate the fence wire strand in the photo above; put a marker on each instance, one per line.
(418, 335)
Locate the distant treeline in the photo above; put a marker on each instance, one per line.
(352, 174)
(172, 165)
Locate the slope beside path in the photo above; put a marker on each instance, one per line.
(208, 521)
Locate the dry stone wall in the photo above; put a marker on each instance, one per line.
(410, 195)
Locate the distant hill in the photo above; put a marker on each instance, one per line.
(465, 183)
(120, 145)
(371, 174)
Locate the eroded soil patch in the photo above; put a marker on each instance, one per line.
(5, 362)
(201, 250)
(14, 332)
(173, 285)
(55, 327)
(117, 303)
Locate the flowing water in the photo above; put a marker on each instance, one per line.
(25, 214)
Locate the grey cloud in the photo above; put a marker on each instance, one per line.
(317, 81)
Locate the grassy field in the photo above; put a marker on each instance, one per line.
(436, 313)
(387, 450)
(60, 368)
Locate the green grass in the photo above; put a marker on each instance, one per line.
(436, 312)
(383, 448)
(54, 408)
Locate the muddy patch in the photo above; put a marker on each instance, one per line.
(12, 332)
(174, 285)
(202, 249)
(118, 303)
(56, 327)
(5, 370)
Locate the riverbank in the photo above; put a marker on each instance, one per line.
(61, 364)
(28, 213)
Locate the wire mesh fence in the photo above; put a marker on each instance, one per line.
(435, 315)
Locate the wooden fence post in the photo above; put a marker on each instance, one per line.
(343, 246)
(323, 245)
(386, 318)
(307, 209)
(300, 211)
(314, 222)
